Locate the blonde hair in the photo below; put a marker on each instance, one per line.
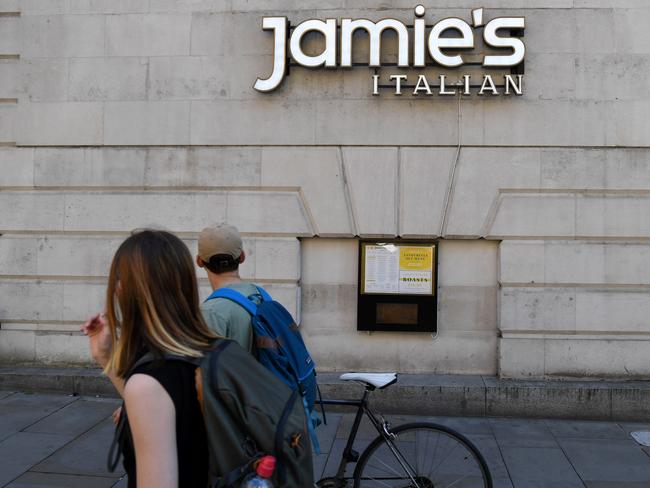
(153, 283)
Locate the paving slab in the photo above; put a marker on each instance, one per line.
(85, 456)
(491, 452)
(74, 419)
(586, 429)
(634, 426)
(19, 452)
(464, 425)
(520, 432)
(611, 460)
(327, 432)
(21, 410)
(540, 467)
(51, 480)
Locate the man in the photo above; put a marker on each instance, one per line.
(220, 254)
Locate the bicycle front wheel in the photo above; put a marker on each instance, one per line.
(422, 455)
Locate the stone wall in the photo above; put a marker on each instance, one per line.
(121, 114)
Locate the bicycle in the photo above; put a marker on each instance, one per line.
(405, 456)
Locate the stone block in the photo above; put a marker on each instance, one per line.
(474, 195)
(630, 27)
(43, 79)
(612, 215)
(575, 122)
(7, 122)
(147, 123)
(107, 6)
(389, 121)
(521, 358)
(330, 261)
(17, 256)
(507, 399)
(10, 35)
(584, 358)
(9, 5)
(179, 212)
(189, 5)
(468, 308)
(74, 256)
(573, 168)
(268, 212)
(574, 262)
(189, 78)
(324, 196)
(606, 4)
(539, 84)
(107, 79)
(630, 403)
(37, 7)
(60, 123)
(254, 122)
(89, 166)
(63, 36)
(31, 300)
(535, 214)
(27, 210)
(277, 259)
(424, 176)
(467, 263)
(268, 259)
(210, 33)
(198, 166)
(16, 167)
(17, 346)
(615, 311)
(61, 348)
(631, 122)
(10, 77)
(612, 76)
(371, 175)
(151, 34)
(521, 262)
(537, 309)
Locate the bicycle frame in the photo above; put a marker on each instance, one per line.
(349, 454)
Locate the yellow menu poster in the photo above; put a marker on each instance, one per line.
(415, 270)
(398, 269)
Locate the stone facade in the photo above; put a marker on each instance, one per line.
(119, 114)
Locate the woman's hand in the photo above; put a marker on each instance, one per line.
(99, 338)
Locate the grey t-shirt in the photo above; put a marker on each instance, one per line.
(229, 319)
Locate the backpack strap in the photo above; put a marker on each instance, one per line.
(234, 296)
(264, 294)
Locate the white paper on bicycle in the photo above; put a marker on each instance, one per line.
(378, 380)
(642, 437)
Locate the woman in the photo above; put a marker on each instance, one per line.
(152, 306)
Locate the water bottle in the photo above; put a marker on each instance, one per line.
(261, 478)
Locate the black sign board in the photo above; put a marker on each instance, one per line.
(397, 285)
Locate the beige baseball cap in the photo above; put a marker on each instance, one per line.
(220, 239)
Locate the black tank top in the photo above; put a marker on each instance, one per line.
(177, 378)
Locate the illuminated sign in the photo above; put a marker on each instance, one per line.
(444, 50)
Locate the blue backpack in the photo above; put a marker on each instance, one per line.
(280, 348)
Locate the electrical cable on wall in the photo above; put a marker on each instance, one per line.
(452, 176)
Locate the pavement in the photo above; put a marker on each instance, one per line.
(57, 440)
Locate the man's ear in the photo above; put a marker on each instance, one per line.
(199, 262)
(242, 257)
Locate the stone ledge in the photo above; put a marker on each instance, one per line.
(416, 394)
